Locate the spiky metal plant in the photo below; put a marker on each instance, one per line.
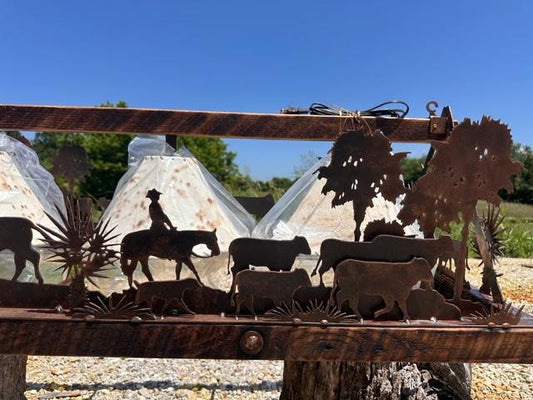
(81, 247)
(106, 309)
(314, 311)
(488, 244)
(502, 314)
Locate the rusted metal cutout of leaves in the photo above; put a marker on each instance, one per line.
(71, 163)
(504, 314)
(362, 166)
(313, 311)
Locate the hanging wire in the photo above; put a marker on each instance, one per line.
(380, 110)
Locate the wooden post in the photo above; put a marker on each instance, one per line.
(12, 377)
(338, 380)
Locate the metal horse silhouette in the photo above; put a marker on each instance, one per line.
(161, 242)
(138, 246)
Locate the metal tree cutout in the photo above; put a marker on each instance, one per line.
(362, 166)
(472, 165)
(71, 163)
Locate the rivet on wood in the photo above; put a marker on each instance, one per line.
(252, 342)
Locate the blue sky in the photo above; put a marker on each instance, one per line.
(475, 56)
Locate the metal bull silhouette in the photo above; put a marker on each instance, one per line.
(16, 235)
(382, 248)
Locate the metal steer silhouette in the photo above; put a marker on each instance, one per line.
(391, 281)
(276, 255)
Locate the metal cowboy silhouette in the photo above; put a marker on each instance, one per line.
(160, 220)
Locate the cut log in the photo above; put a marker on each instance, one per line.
(332, 380)
(12, 377)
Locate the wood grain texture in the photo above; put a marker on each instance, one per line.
(67, 337)
(201, 123)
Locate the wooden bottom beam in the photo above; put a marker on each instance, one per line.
(395, 342)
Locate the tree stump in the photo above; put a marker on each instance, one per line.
(12, 377)
(333, 380)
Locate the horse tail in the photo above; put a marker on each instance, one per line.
(44, 231)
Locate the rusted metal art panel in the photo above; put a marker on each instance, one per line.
(201, 123)
(273, 312)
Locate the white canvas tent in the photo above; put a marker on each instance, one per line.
(26, 189)
(303, 210)
(192, 198)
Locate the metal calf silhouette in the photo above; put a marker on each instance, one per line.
(16, 235)
(277, 286)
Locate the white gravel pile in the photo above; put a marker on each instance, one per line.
(128, 378)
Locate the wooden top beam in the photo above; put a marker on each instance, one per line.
(203, 123)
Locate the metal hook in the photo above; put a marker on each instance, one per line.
(430, 110)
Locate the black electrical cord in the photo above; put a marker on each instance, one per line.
(376, 111)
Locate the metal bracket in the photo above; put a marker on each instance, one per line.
(440, 126)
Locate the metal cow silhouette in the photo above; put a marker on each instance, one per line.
(177, 245)
(16, 235)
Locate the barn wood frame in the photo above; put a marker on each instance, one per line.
(26, 332)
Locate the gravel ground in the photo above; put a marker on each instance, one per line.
(112, 378)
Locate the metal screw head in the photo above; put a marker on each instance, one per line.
(252, 342)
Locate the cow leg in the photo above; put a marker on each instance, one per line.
(389, 305)
(34, 259)
(20, 264)
(189, 264)
(403, 307)
(179, 264)
(146, 269)
(353, 302)
(250, 305)
(238, 302)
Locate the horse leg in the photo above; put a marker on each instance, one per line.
(146, 269)
(189, 264)
(34, 259)
(179, 264)
(20, 264)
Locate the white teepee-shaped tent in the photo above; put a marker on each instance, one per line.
(191, 196)
(303, 210)
(26, 189)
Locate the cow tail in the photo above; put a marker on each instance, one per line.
(316, 267)
(229, 258)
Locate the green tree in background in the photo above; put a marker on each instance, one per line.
(523, 181)
(213, 153)
(412, 169)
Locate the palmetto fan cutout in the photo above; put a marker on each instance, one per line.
(314, 311)
(81, 247)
